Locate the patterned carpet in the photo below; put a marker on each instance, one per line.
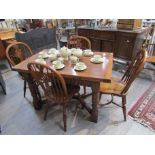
(144, 109)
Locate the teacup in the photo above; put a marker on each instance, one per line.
(61, 59)
(52, 57)
(43, 55)
(80, 65)
(97, 57)
(74, 59)
(57, 63)
(88, 51)
(77, 52)
(41, 61)
(54, 51)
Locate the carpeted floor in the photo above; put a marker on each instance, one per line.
(17, 115)
(143, 110)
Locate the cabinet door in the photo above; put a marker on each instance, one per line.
(95, 44)
(83, 32)
(125, 45)
(107, 46)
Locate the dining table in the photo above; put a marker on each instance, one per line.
(90, 77)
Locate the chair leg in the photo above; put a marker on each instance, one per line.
(124, 106)
(46, 110)
(24, 87)
(65, 117)
(100, 96)
(84, 89)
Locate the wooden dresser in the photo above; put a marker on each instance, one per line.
(123, 43)
(5, 35)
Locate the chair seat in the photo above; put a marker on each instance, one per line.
(115, 87)
(150, 59)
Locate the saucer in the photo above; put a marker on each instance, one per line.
(59, 67)
(80, 69)
(96, 61)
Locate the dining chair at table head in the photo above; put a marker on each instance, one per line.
(120, 86)
(81, 42)
(149, 45)
(16, 53)
(54, 87)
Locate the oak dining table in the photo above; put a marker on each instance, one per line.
(91, 77)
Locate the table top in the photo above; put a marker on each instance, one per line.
(94, 72)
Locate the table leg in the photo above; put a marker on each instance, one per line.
(95, 100)
(37, 102)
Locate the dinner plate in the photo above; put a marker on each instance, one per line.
(60, 67)
(96, 62)
(80, 69)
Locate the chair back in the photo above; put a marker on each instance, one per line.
(149, 42)
(134, 69)
(79, 42)
(51, 82)
(38, 39)
(17, 52)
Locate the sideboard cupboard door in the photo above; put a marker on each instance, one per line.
(125, 45)
(107, 46)
(84, 32)
(95, 44)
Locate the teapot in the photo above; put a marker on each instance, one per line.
(65, 52)
(77, 52)
(54, 51)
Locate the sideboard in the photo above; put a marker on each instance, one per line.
(122, 43)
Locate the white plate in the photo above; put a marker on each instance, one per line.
(80, 69)
(60, 67)
(88, 54)
(96, 62)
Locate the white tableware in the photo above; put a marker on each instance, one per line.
(59, 66)
(61, 59)
(97, 61)
(43, 55)
(65, 52)
(97, 57)
(81, 68)
(74, 59)
(40, 61)
(77, 52)
(57, 62)
(52, 57)
(54, 51)
(88, 52)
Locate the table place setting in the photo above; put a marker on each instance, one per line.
(88, 53)
(80, 66)
(58, 64)
(39, 60)
(97, 59)
(43, 55)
